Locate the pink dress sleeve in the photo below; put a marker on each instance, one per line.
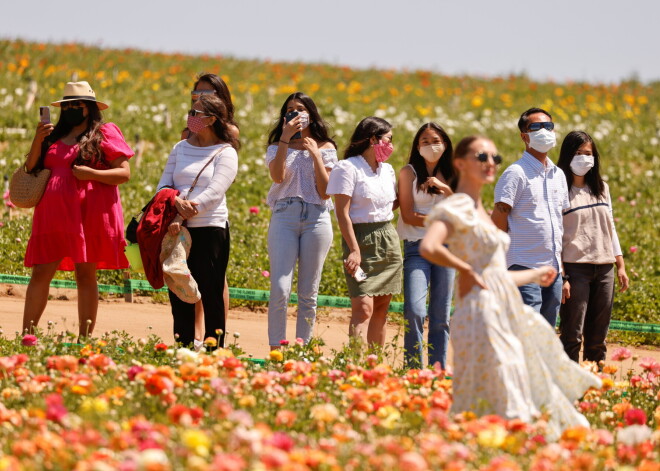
(113, 144)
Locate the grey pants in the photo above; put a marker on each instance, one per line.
(585, 317)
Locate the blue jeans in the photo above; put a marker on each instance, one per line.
(298, 232)
(544, 300)
(419, 278)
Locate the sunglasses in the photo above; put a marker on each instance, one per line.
(196, 94)
(197, 113)
(71, 104)
(483, 157)
(537, 126)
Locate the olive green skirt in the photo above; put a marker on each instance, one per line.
(381, 260)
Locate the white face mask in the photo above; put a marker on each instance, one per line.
(542, 140)
(432, 153)
(581, 164)
(304, 119)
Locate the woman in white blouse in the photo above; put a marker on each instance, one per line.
(365, 196)
(300, 156)
(205, 212)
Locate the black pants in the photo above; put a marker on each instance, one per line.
(207, 262)
(585, 317)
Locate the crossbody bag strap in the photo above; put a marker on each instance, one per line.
(215, 154)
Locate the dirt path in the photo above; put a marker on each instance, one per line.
(141, 319)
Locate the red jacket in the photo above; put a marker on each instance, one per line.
(151, 230)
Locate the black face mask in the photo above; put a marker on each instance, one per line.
(72, 116)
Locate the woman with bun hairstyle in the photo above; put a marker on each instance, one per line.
(78, 225)
(364, 186)
(589, 251)
(423, 183)
(300, 156)
(507, 359)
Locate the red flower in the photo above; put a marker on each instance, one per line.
(254, 209)
(29, 340)
(55, 409)
(635, 417)
(633, 248)
(160, 347)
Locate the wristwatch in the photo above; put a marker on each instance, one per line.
(565, 277)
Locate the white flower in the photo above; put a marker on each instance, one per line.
(153, 458)
(649, 173)
(259, 161)
(654, 141)
(149, 188)
(634, 434)
(158, 118)
(19, 91)
(185, 354)
(244, 168)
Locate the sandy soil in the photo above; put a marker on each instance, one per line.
(142, 318)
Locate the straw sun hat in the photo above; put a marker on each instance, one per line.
(74, 91)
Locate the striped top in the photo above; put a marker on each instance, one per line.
(589, 232)
(537, 194)
(183, 165)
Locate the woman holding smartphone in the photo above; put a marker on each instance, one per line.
(300, 156)
(423, 183)
(364, 187)
(78, 224)
(211, 84)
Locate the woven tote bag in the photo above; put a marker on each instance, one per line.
(26, 189)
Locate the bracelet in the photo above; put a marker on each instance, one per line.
(284, 142)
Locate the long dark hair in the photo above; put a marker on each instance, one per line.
(443, 165)
(365, 130)
(318, 128)
(214, 106)
(572, 142)
(89, 141)
(222, 90)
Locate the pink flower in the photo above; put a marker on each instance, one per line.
(413, 461)
(635, 417)
(649, 364)
(284, 342)
(10, 204)
(620, 354)
(2, 224)
(633, 203)
(5, 195)
(265, 273)
(633, 248)
(622, 198)
(300, 341)
(55, 409)
(29, 340)
(254, 209)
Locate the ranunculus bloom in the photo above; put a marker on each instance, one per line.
(284, 342)
(160, 347)
(620, 354)
(633, 248)
(650, 364)
(276, 355)
(254, 210)
(265, 273)
(635, 417)
(29, 340)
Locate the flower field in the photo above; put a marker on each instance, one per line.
(149, 95)
(115, 403)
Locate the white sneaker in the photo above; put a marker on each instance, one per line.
(198, 344)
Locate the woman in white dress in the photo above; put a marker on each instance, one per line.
(507, 359)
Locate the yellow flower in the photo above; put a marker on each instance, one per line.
(94, 405)
(247, 401)
(493, 437)
(276, 355)
(196, 441)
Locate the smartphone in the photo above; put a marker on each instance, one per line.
(44, 114)
(289, 116)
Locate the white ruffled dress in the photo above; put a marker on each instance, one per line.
(508, 360)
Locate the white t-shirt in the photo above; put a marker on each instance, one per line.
(299, 179)
(183, 165)
(372, 193)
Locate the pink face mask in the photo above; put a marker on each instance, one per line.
(383, 150)
(195, 124)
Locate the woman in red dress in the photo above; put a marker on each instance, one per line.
(78, 224)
